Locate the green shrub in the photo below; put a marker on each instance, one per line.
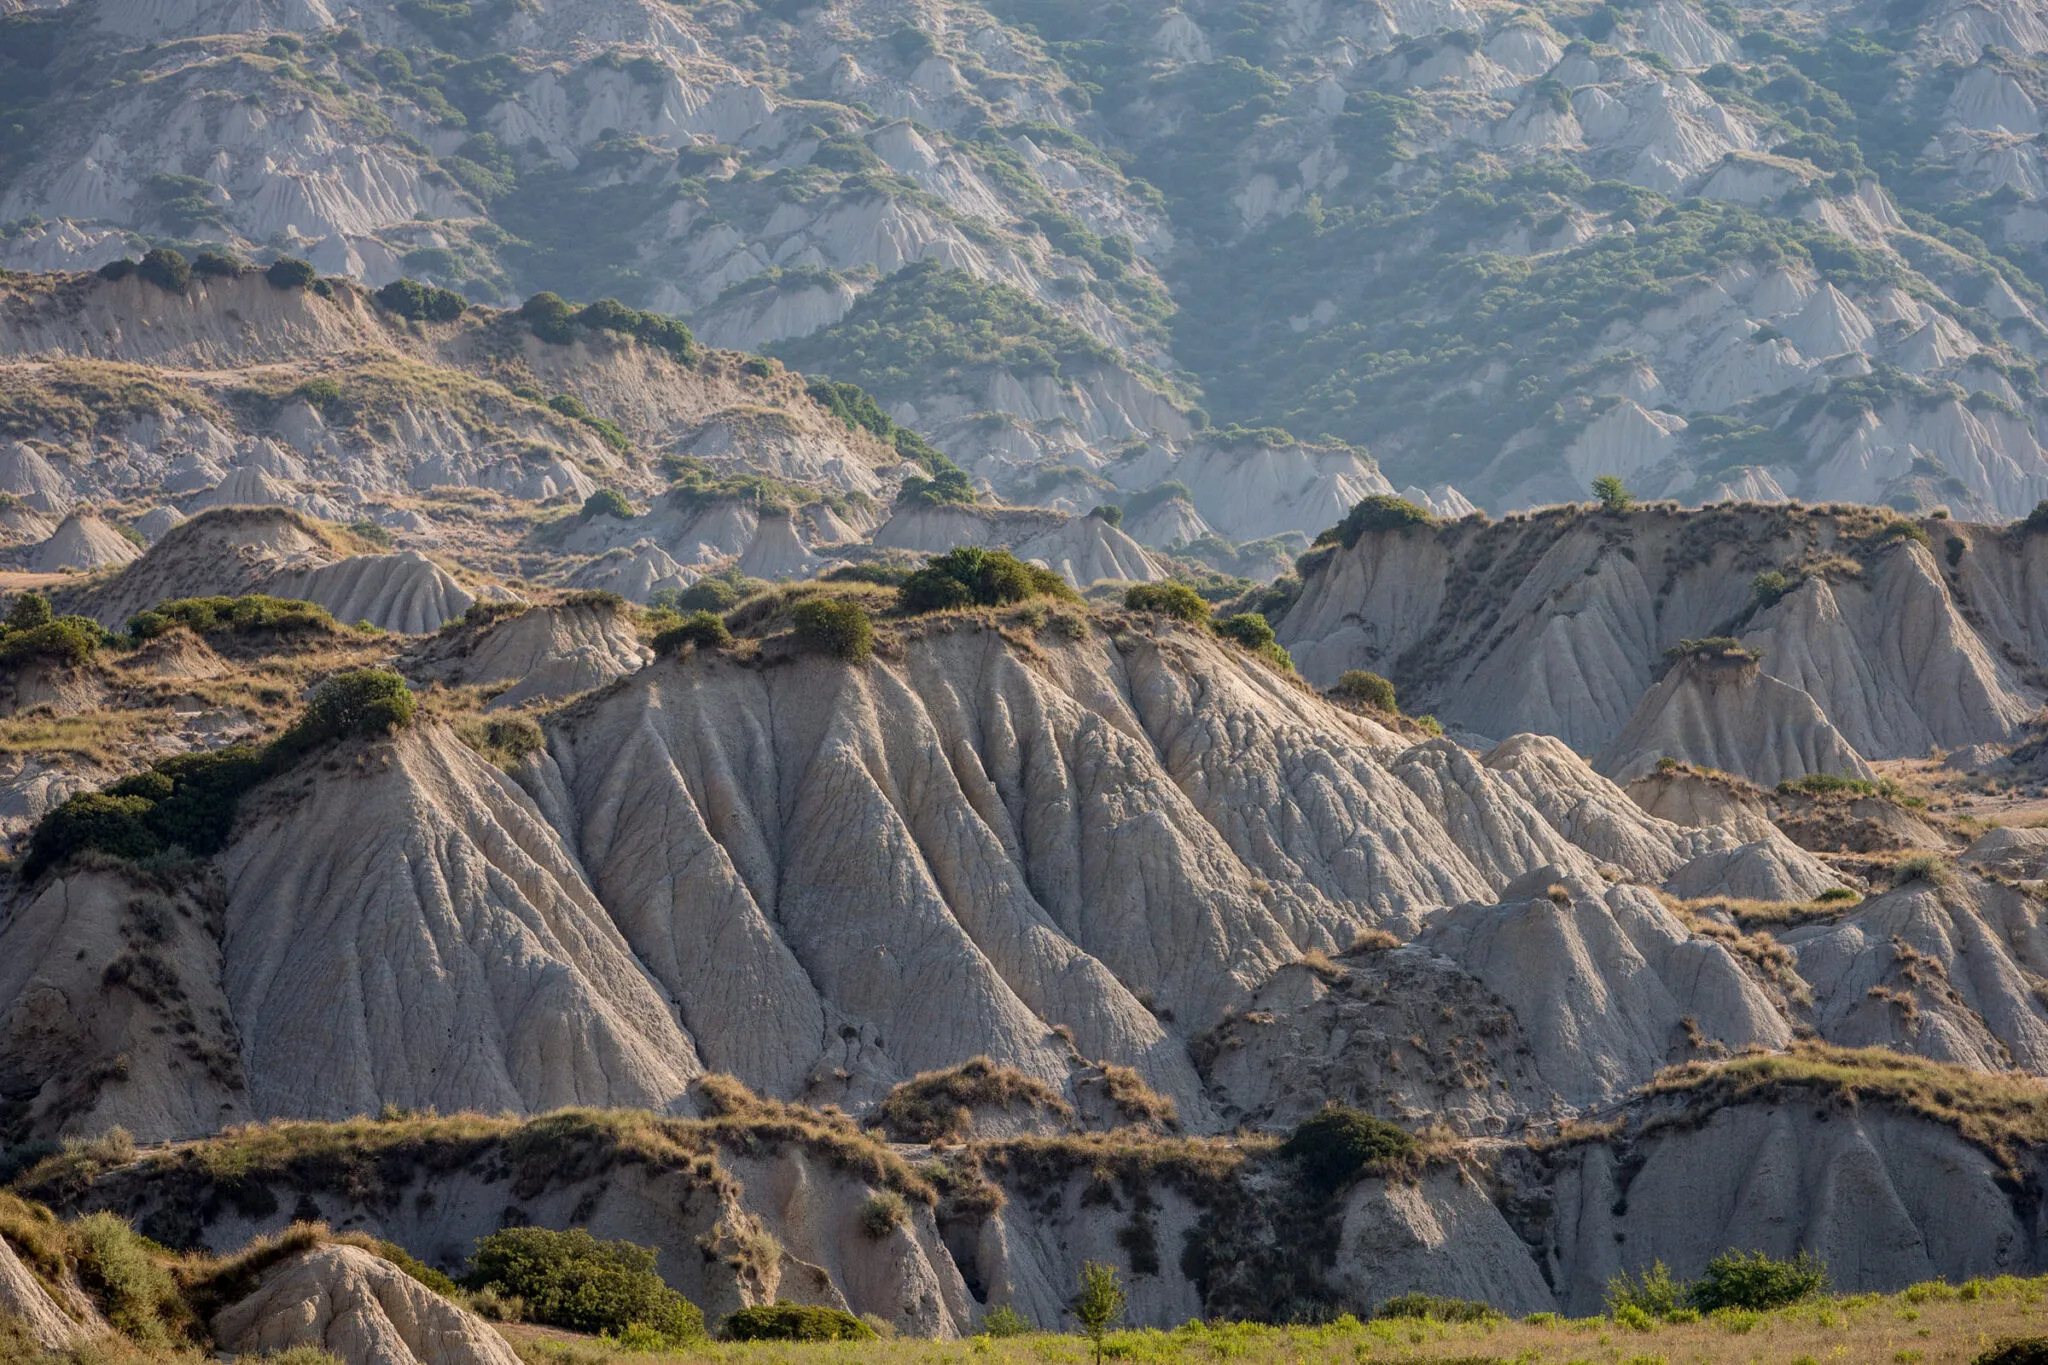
(420, 302)
(502, 741)
(1614, 496)
(362, 702)
(217, 265)
(663, 333)
(1436, 1308)
(571, 1279)
(971, 576)
(1758, 1282)
(713, 592)
(251, 614)
(112, 824)
(794, 1322)
(548, 317)
(1380, 512)
(137, 1294)
(882, 1213)
(2015, 1351)
(1109, 514)
(1004, 1321)
(1338, 1144)
(1362, 688)
(1251, 630)
(1177, 600)
(1770, 586)
(835, 626)
(700, 628)
(166, 269)
(288, 272)
(606, 502)
(68, 640)
(2036, 520)
(28, 611)
(948, 486)
(1654, 1293)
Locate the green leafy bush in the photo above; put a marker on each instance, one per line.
(1109, 514)
(1770, 586)
(166, 269)
(700, 628)
(552, 319)
(420, 302)
(571, 1279)
(217, 265)
(68, 640)
(1654, 1293)
(28, 611)
(2015, 1351)
(1380, 512)
(606, 502)
(365, 702)
(288, 272)
(111, 824)
(1177, 600)
(945, 487)
(1253, 632)
(835, 626)
(1338, 1144)
(1614, 496)
(246, 615)
(713, 592)
(794, 1322)
(549, 317)
(972, 576)
(1004, 1321)
(1758, 1282)
(138, 1295)
(1363, 688)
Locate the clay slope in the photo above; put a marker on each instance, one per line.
(955, 848)
(282, 553)
(535, 654)
(1903, 635)
(359, 1308)
(1729, 715)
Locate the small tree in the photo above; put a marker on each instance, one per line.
(166, 269)
(288, 272)
(1362, 688)
(30, 610)
(1614, 496)
(1099, 1306)
(1110, 513)
(835, 626)
(607, 502)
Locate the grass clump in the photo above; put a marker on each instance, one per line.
(132, 1287)
(1339, 1144)
(795, 1322)
(571, 1279)
(1004, 1321)
(502, 741)
(882, 1212)
(1436, 1308)
(834, 626)
(974, 577)
(941, 1104)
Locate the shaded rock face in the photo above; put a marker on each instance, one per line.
(359, 1308)
(1884, 1199)
(542, 653)
(1558, 623)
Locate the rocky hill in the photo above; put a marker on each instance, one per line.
(1505, 248)
(1769, 641)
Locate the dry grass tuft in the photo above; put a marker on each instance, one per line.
(940, 1104)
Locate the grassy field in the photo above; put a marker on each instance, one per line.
(1929, 1324)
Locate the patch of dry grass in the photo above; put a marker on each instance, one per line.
(1999, 1113)
(941, 1104)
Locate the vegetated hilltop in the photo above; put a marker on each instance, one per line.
(1769, 641)
(1504, 248)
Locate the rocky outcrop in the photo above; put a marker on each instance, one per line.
(1558, 623)
(538, 654)
(1728, 714)
(81, 542)
(358, 1308)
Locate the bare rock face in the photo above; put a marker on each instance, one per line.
(83, 541)
(542, 653)
(359, 1308)
(1121, 836)
(1885, 1199)
(1729, 715)
(1557, 623)
(410, 931)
